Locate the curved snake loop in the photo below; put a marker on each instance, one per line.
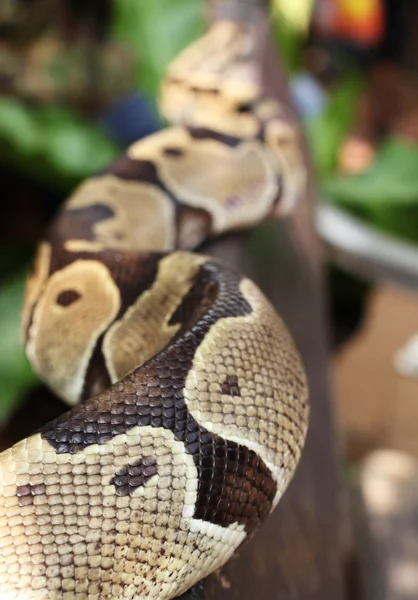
(189, 398)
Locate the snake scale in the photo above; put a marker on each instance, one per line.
(189, 399)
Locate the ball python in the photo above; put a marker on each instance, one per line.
(189, 402)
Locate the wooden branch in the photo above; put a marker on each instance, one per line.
(299, 553)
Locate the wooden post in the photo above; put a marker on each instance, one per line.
(299, 552)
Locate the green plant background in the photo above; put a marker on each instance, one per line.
(58, 147)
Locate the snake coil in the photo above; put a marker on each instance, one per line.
(189, 398)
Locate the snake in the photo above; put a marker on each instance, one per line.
(188, 399)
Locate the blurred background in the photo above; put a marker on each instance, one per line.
(78, 83)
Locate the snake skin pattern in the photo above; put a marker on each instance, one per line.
(189, 398)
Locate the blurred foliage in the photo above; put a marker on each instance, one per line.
(16, 375)
(56, 146)
(327, 130)
(386, 193)
(289, 42)
(297, 13)
(51, 143)
(156, 31)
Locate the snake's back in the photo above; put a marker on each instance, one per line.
(189, 397)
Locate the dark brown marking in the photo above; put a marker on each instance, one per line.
(201, 133)
(234, 486)
(67, 297)
(141, 171)
(78, 223)
(231, 386)
(207, 91)
(174, 152)
(26, 493)
(134, 170)
(135, 475)
(245, 108)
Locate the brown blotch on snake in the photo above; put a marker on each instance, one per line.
(67, 297)
(202, 133)
(134, 475)
(78, 223)
(179, 152)
(26, 493)
(136, 170)
(230, 386)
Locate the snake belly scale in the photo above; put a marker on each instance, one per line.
(189, 399)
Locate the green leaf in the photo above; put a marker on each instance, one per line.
(392, 178)
(52, 143)
(19, 126)
(326, 131)
(56, 146)
(16, 375)
(386, 193)
(156, 31)
(75, 148)
(289, 42)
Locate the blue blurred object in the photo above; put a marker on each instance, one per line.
(132, 117)
(308, 95)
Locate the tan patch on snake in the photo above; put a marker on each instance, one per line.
(225, 119)
(247, 385)
(237, 186)
(143, 216)
(144, 330)
(284, 141)
(268, 109)
(34, 285)
(153, 147)
(77, 305)
(193, 227)
(65, 529)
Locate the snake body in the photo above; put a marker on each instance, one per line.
(189, 397)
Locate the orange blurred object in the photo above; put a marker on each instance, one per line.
(360, 21)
